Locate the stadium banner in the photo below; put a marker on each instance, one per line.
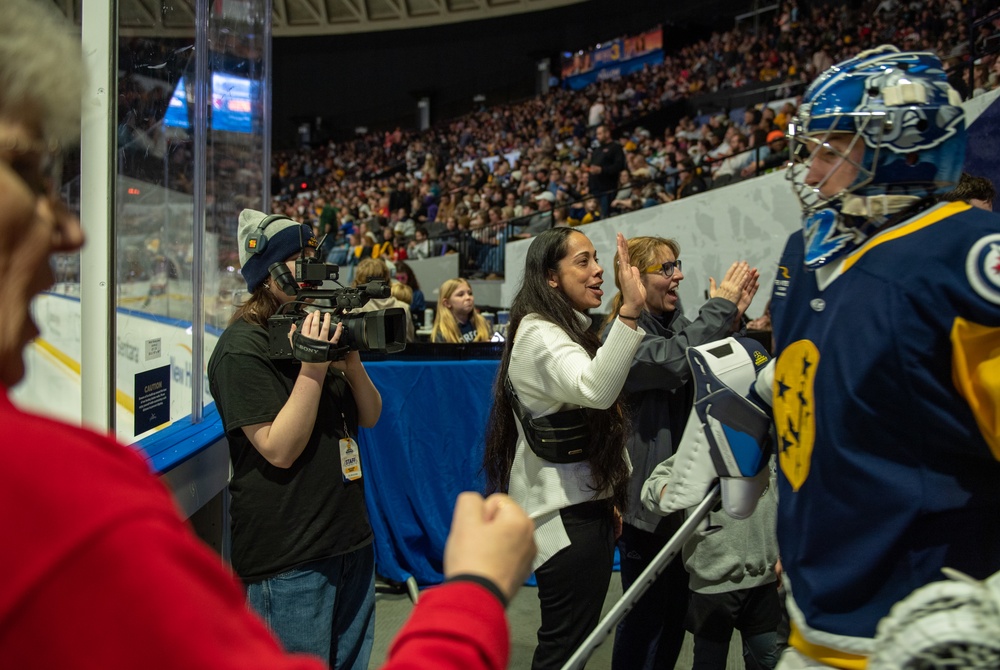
(610, 60)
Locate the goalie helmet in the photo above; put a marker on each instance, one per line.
(907, 139)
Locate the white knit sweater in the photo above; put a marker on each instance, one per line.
(551, 373)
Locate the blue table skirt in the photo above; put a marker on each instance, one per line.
(426, 449)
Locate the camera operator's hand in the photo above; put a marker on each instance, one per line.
(316, 326)
(349, 363)
(490, 538)
(282, 440)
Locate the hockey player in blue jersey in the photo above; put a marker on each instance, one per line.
(885, 387)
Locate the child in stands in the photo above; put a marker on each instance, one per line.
(456, 319)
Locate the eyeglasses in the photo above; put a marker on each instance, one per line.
(38, 163)
(666, 269)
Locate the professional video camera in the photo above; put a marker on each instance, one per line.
(382, 330)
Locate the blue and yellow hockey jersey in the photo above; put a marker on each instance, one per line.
(887, 410)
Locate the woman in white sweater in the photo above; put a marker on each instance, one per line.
(558, 369)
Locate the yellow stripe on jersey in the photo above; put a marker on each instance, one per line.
(975, 371)
(895, 233)
(825, 655)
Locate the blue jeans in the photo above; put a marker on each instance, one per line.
(325, 608)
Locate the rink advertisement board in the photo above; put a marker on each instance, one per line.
(612, 60)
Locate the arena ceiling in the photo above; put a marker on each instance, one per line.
(296, 18)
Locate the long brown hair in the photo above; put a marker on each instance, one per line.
(608, 428)
(258, 308)
(642, 252)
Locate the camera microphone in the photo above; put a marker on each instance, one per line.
(377, 288)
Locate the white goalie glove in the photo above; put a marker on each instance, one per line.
(953, 623)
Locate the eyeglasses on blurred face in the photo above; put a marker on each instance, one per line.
(38, 163)
(666, 269)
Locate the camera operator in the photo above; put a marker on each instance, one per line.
(301, 541)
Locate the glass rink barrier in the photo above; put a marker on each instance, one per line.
(186, 148)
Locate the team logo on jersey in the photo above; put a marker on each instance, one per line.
(781, 282)
(982, 267)
(795, 409)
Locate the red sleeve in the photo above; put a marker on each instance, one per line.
(144, 594)
(457, 626)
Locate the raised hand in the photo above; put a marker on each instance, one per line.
(750, 287)
(632, 288)
(731, 288)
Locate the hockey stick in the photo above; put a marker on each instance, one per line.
(610, 621)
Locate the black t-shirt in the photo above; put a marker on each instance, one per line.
(611, 159)
(282, 518)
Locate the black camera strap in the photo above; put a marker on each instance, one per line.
(308, 350)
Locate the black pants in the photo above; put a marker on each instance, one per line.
(572, 584)
(651, 634)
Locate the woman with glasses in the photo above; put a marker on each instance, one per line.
(658, 393)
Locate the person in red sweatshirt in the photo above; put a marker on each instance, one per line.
(98, 569)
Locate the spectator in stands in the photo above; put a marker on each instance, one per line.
(372, 269)
(367, 247)
(622, 201)
(404, 275)
(446, 207)
(326, 543)
(399, 198)
(340, 251)
(977, 191)
(451, 238)
(777, 155)
(541, 220)
(607, 161)
(545, 130)
(404, 224)
(456, 319)
(559, 217)
(553, 365)
(784, 116)
(654, 194)
(384, 249)
(399, 250)
(731, 167)
(419, 247)
(690, 181)
(659, 396)
(595, 116)
(751, 119)
(402, 293)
